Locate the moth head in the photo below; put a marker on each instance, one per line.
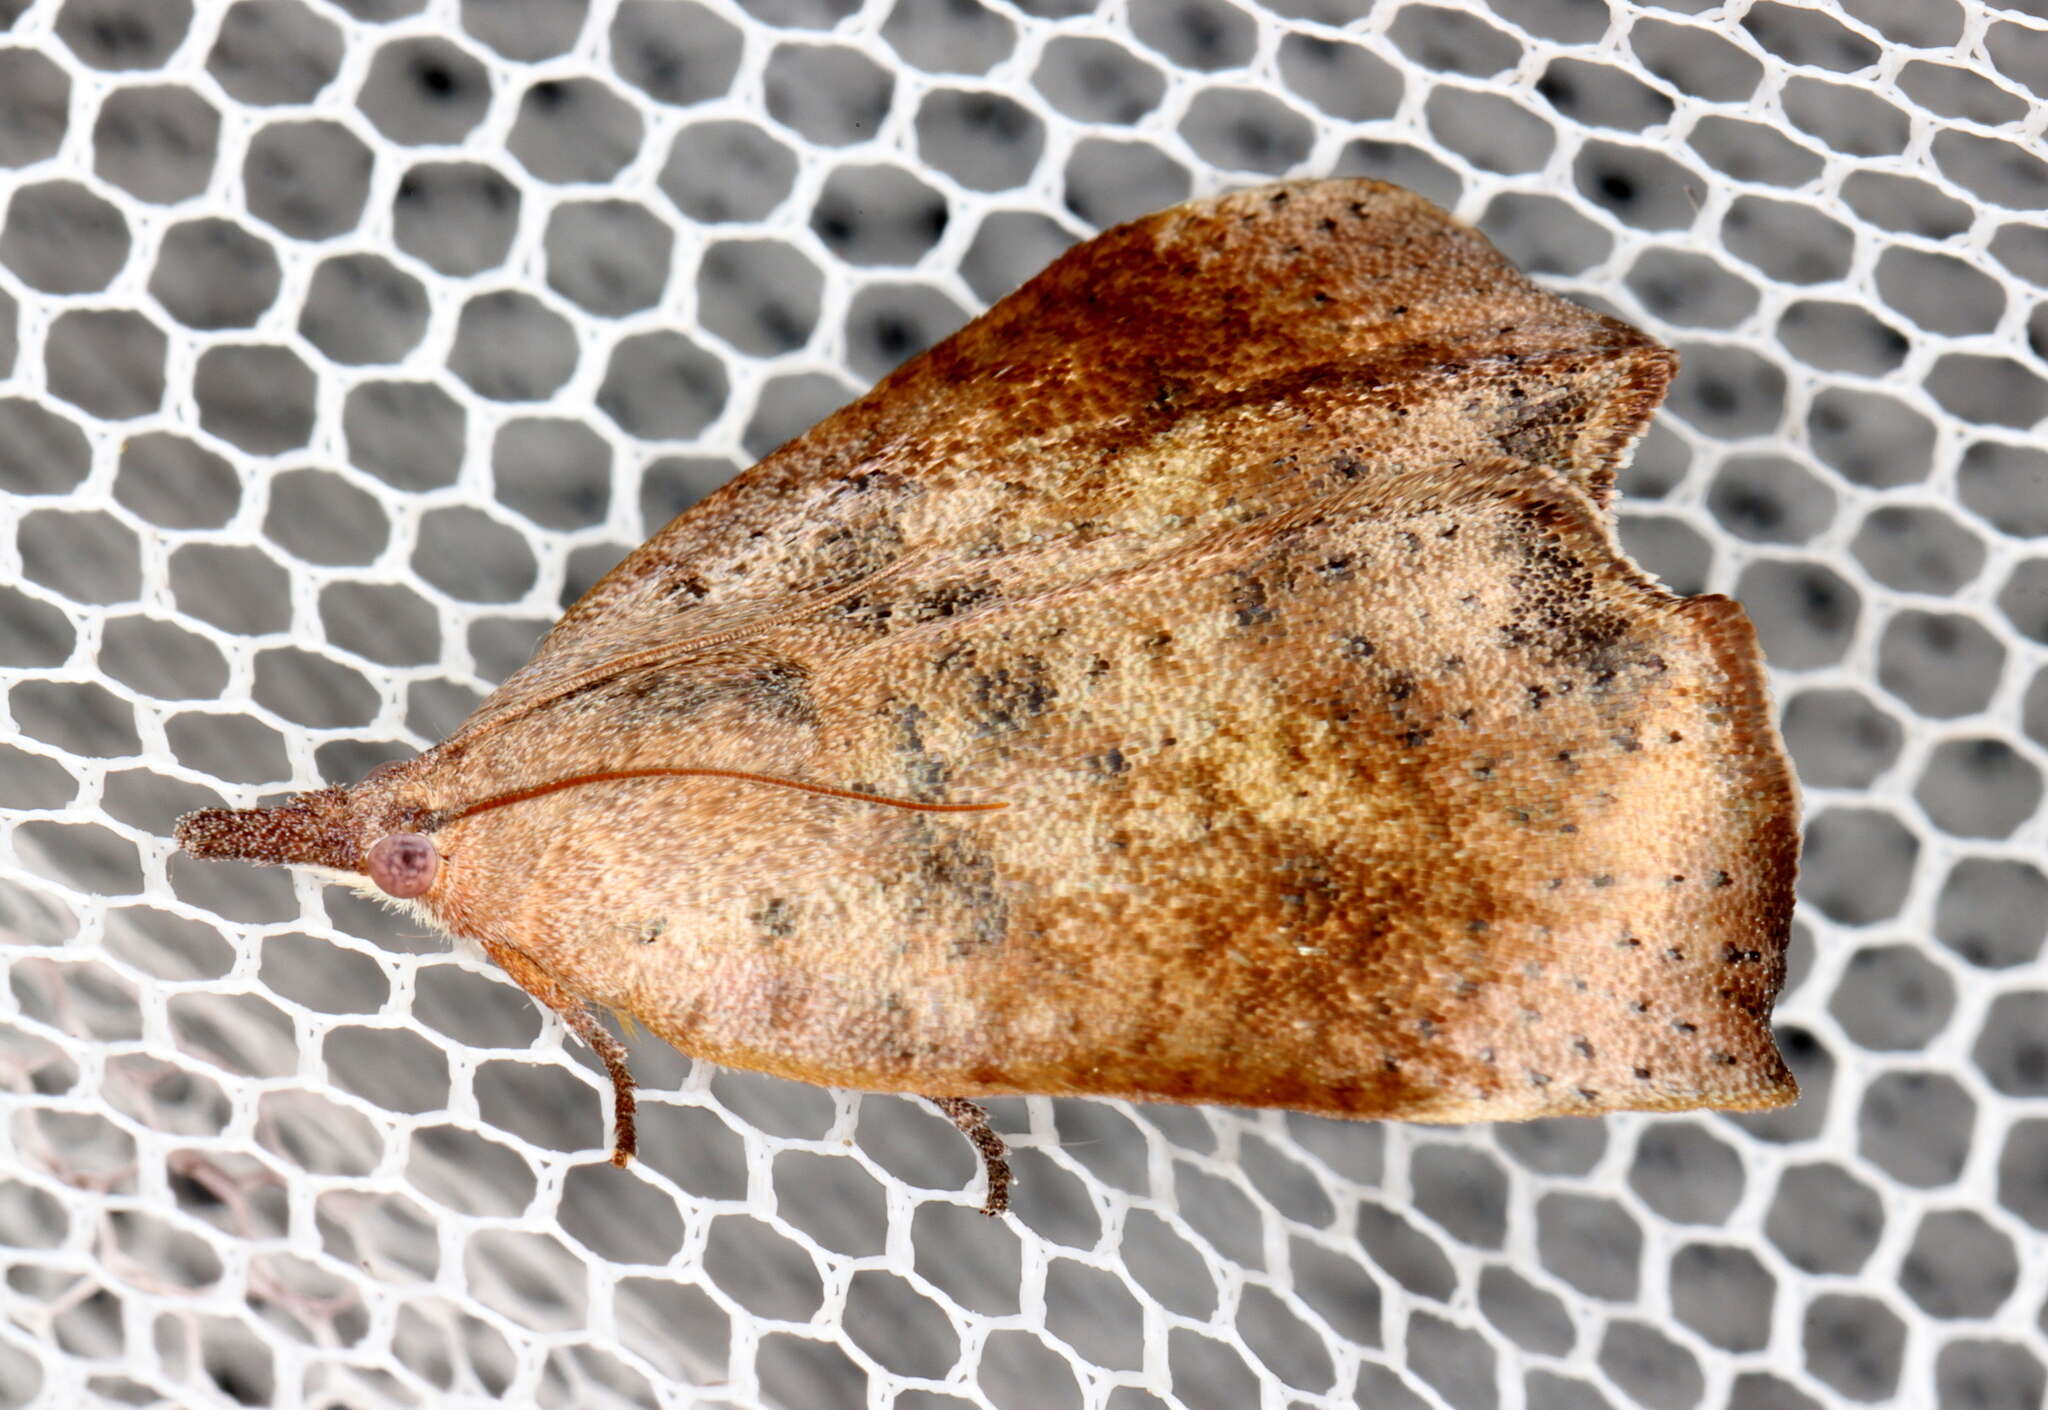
(372, 830)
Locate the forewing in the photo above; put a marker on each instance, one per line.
(1416, 800)
(1421, 801)
(1021, 419)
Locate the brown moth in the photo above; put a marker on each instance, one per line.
(1210, 676)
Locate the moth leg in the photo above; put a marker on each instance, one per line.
(973, 1124)
(575, 1013)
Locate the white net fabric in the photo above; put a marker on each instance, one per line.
(346, 340)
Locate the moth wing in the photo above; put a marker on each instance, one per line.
(1254, 296)
(1418, 802)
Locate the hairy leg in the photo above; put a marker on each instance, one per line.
(574, 1012)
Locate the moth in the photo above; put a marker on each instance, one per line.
(1210, 676)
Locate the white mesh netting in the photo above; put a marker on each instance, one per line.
(346, 340)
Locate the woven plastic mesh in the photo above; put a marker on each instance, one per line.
(345, 341)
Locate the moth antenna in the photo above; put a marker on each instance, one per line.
(655, 655)
(598, 675)
(524, 795)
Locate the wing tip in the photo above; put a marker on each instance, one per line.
(1755, 756)
(1714, 619)
(1731, 638)
(1644, 371)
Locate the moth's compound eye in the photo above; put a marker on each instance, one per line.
(404, 864)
